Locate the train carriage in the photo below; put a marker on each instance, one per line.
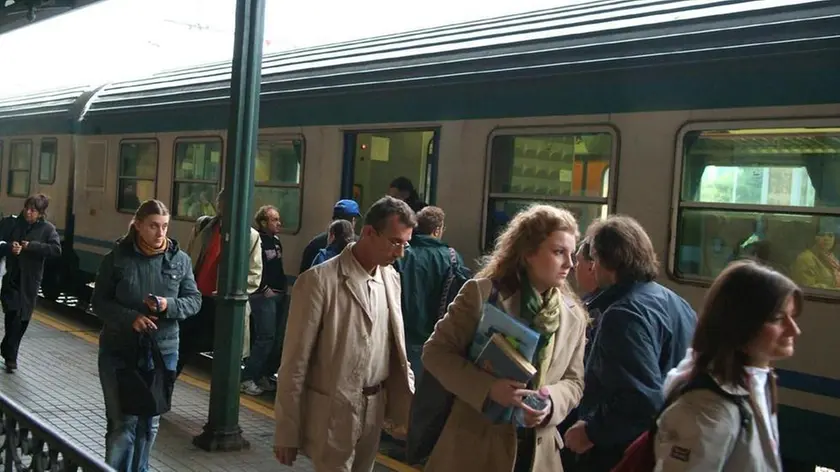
(715, 123)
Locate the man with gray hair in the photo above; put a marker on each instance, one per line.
(344, 370)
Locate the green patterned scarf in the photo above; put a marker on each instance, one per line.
(542, 312)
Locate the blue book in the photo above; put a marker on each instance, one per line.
(500, 359)
(518, 333)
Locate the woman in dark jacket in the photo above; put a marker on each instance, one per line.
(26, 241)
(340, 235)
(144, 285)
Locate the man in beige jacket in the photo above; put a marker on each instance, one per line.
(344, 368)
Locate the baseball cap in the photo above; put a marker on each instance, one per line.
(346, 208)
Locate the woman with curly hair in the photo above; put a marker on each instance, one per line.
(526, 277)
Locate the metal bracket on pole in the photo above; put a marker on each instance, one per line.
(222, 431)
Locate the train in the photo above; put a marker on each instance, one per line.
(715, 123)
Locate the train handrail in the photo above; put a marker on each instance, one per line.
(26, 435)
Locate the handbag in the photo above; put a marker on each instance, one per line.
(145, 390)
(432, 403)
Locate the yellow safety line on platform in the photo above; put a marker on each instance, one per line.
(256, 405)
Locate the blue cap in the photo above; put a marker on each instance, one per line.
(346, 208)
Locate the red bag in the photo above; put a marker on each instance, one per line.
(640, 456)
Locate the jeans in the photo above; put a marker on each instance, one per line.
(268, 325)
(414, 352)
(128, 439)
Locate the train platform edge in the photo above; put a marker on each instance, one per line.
(58, 381)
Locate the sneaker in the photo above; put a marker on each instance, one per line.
(248, 387)
(267, 385)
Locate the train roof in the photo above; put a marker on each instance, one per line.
(54, 111)
(597, 57)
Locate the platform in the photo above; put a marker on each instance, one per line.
(58, 381)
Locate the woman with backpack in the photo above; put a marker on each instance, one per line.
(340, 234)
(723, 411)
(144, 286)
(525, 277)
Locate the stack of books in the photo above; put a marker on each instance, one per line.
(503, 346)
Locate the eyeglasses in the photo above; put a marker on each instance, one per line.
(396, 244)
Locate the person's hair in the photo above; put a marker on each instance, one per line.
(383, 209)
(342, 232)
(38, 202)
(744, 297)
(623, 246)
(522, 238)
(147, 208)
(429, 219)
(403, 184)
(584, 248)
(262, 215)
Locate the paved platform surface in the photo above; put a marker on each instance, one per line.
(57, 380)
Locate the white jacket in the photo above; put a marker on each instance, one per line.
(702, 430)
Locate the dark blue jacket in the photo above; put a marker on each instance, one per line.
(643, 334)
(126, 277)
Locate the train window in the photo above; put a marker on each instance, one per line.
(278, 176)
(138, 169)
(20, 168)
(766, 194)
(568, 170)
(47, 161)
(198, 165)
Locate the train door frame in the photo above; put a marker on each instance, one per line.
(348, 167)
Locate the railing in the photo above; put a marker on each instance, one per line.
(30, 445)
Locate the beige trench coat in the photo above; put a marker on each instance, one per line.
(469, 441)
(319, 403)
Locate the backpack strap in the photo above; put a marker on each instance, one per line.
(447, 285)
(706, 382)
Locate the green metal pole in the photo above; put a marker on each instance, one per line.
(222, 431)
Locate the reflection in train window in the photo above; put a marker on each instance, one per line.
(278, 175)
(47, 161)
(197, 177)
(138, 168)
(566, 170)
(766, 194)
(20, 167)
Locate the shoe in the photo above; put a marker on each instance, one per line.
(11, 366)
(248, 387)
(267, 385)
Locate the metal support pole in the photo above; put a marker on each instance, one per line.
(222, 431)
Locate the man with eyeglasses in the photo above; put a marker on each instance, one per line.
(344, 369)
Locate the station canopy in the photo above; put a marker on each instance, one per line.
(16, 14)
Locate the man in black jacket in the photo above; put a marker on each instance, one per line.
(29, 240)
(343, 210)
(643, 333)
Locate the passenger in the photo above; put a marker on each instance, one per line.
(29, 240)
(402, 188)
(143, 262)
(529, 266)
(204, 249)
(424, 271)
(343, 210)
(344, 369)
(748, 322)
(818, 267)
(587, 284)
(642, 334)
(268, 307)
(340, 235)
